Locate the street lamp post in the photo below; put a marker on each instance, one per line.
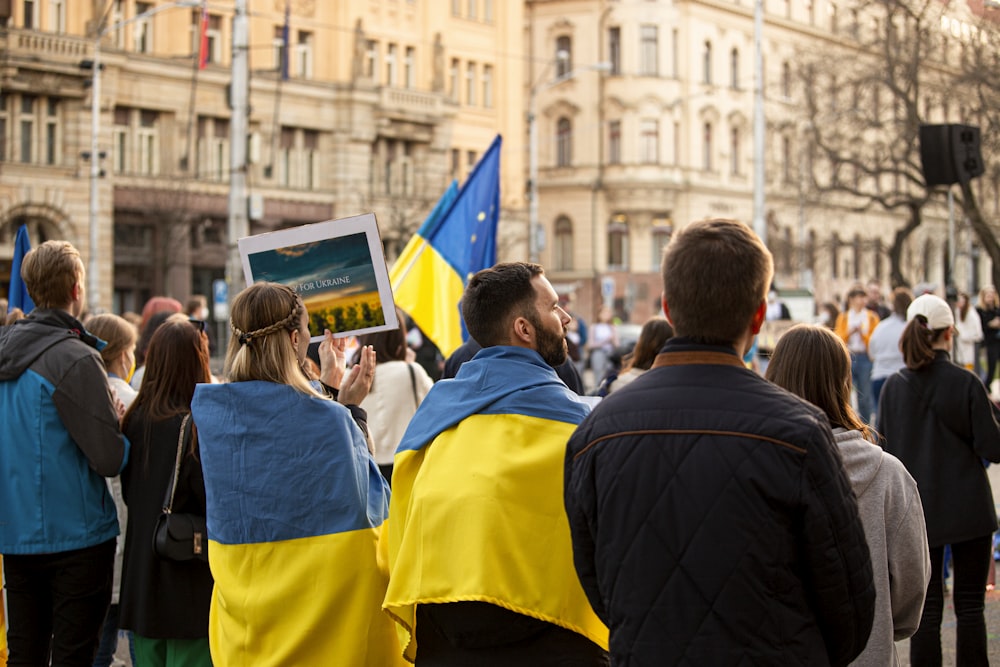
(534, 228)
(93, 286)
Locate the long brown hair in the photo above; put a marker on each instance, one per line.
(813, 363)
(177, 360)
(389, 345)
(655, 332)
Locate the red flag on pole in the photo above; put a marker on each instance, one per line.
(203, 36)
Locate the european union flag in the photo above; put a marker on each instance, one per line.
(458, 239)
(18, 296)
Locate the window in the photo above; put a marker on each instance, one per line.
(660, 235)
(834, 254)
(142, 33)
(286, 144)
(649, 51)
(564, 56)
(27, 127)
(473, 13)
(677, 142)
(488, 11)
(213, 144)
(120, 130)
(4, 126)
(615, 142)
(149, 153)
(117, 16)
(371, 59)
(304, 55)
(30, 14)
(706, 147)
(278, 49)
(674, 57)
(456, 7)
(786, 160)
(453, 75)
(649, 141)
(470, 161)
(470, 84)
(57, 16)
(310, 158)
(213, 33)
(734, 151)
(706, 63)
(564, 244)
(618, 242)
(832, 8)
(734, 69)
(52, 131)
(456, 163)
(615, 49)
(786, 80)
(488, 86)
(564, 142)
(409, 68)
(390, 66)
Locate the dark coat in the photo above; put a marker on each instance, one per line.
(160, 599)
(713, 523)
(941, 424)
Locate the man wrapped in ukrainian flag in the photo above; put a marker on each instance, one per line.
(481, 564)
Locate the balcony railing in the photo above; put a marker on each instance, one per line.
(47, 45)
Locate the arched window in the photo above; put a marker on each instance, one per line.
(618, 242)
(707, 63)
(564, 142)
(564, 244)
(564, 56)
(734, 69)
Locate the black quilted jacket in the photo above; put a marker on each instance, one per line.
(713, 523)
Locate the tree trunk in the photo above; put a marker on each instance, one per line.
(983, 231)
(896, 277)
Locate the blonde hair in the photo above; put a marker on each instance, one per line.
(50, 271)
(117, 332)
(263, 316)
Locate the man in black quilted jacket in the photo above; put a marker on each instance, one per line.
(712, 520)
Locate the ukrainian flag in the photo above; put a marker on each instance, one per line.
(457, 240)
(477, 508)
(295, 508)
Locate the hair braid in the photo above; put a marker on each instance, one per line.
(247, 337)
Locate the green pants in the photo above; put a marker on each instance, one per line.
(172, 652)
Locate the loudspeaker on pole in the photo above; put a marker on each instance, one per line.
(950, 154)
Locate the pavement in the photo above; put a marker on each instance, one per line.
(992, 609)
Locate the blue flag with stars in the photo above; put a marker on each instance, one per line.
(457, 240)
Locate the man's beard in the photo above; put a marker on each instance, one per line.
(551, 346)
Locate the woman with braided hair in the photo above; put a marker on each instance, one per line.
(295, 502)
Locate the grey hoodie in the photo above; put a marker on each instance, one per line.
(893, 520)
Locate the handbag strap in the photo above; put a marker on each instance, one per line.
(168, 500)
(413, 384)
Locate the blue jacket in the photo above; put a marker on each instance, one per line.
(60, 437)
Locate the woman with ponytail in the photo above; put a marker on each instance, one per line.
(295, 502)
(938, 420)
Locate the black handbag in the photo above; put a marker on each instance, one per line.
(179, 536)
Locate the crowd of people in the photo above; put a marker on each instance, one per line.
(698, 512)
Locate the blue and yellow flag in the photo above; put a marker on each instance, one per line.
(477, 508)
(457, 240)
(17, 296)
(295, 508)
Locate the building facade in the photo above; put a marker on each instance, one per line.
(645, 113)
(354, 107)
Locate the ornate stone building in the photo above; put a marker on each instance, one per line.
(355, 107)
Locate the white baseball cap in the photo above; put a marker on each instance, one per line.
(935, 309)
